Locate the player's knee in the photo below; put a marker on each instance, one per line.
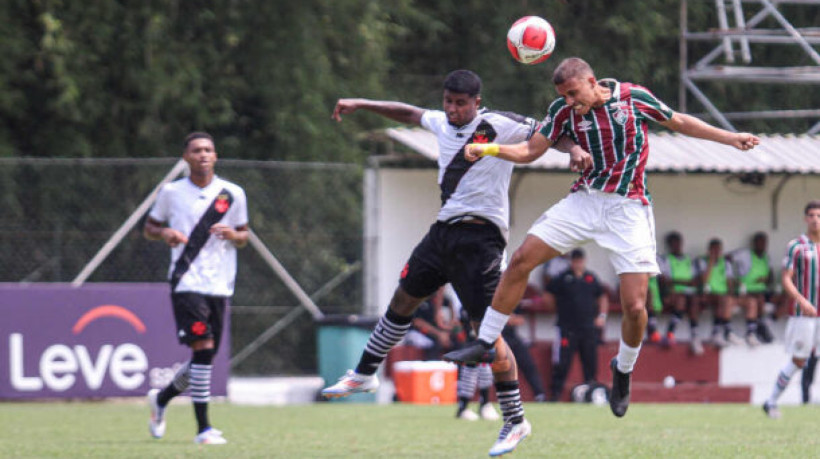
(634, 309)
(520, 264)
(403, 303)
(203, 356)
(501, 365)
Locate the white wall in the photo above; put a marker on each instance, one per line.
(403, 203)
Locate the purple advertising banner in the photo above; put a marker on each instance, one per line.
(98, 340)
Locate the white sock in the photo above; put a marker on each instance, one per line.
(782, 382)
(492, 325)
(627, 356)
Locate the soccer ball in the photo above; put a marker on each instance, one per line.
(531, 40)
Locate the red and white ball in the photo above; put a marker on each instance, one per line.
(531, 40)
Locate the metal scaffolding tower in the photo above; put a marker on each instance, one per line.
(733, 43)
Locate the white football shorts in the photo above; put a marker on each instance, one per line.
(624, 227)
(802, 334)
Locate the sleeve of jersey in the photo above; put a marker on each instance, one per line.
(432, 120)
(557, 117)
(515, 131)
(791, 255)
(240, 216)
(159, 211)
(649, 105)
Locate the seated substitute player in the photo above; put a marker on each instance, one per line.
(609, 202)
(755, 277)
(801, 282)
(204, 219)
(428, 331)
(679, 277)
(465, 245)
(717, 280)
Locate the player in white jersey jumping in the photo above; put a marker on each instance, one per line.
(204, 219)
(464, 246)
(609, 203)
(801, 282)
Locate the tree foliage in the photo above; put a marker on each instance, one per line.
(130, 78)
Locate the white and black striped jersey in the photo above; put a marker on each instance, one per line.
(476, 188)
(182, 205)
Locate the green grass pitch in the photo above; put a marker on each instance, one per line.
(119, 430)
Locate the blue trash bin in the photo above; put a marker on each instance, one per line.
(341, 339)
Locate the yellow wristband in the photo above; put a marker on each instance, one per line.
(490, 149)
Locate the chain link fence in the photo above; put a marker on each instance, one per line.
(57, 213)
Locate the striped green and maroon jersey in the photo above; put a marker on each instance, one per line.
(803, 258)
(615, 134)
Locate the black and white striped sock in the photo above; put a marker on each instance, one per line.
(510, 400)
(467, 380)
(201, 386)
(388, 332)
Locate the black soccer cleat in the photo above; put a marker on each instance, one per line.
(472, 353)
(621, 386)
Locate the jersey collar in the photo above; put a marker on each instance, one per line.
(614, 86)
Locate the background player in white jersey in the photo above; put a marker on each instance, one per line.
(464, 246)
(204, 219)
(801, 282)
(610, 204)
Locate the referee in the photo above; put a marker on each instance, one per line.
(582, 305)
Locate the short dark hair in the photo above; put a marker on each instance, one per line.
(811, 205)
(673, 236)
(196, 135)
(759, 235)
(571, 67)
(576, 254)
(715, 241)
(463, 82)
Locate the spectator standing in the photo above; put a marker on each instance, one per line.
(582, 305)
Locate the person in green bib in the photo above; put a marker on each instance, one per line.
(754, 275)
(678, 276)
(717, 284)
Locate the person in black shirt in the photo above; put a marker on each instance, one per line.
(582, 304)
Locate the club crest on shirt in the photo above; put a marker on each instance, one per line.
(620, 114)
(585, 125)
(221, 205)
(480, 137)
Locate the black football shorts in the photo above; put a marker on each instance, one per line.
(199, 317)
(466, 254)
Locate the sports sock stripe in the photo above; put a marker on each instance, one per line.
(200, 383)
(485, 376)
(467, 380)
(510, 400)
(385, 336)
(182, 377)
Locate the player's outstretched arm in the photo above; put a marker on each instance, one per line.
(398, 111)
(691, 126)
(524, 152)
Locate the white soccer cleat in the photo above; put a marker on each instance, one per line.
(733, 339)
(351, 383)
(509, 437)
(156, 425)
(719, 341)
(771, 410)
(752, 340)
(210, 436)
(488, 413)
(467, 415)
